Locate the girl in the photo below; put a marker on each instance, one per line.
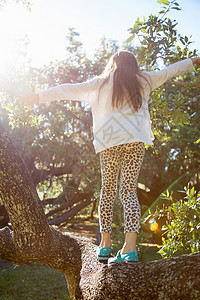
(121, 127)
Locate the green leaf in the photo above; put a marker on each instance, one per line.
(177, 8)
(161, 251)
(197, 141)
(191, 192)
(144, 30)
(165, 2)
(130, 38)
(136, 25)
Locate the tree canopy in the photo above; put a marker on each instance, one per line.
(55, 142)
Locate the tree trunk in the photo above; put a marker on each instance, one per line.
(33, 240)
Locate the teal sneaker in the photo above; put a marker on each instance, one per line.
(127, 257)
(103, 253)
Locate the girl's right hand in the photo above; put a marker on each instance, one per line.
(30, 99)
(196, 60)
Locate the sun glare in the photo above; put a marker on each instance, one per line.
(12, 29)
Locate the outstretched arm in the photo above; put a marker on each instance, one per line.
(176, 69)
(30, 100)
(67, 91)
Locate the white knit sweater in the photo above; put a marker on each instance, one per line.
(113, 127)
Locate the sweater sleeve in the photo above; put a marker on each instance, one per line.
(176, 69)
(69, 91)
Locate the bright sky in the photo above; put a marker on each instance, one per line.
(48, 22)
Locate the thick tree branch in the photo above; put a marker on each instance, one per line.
(40, 175)
(76, 198)
(72, 212)
(48, 201)
(173, 278)
(19, 195)
(33, 240)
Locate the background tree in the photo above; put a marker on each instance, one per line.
(56, 140)
(52, 140)
(34, 241)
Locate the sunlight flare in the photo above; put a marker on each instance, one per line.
(12, 32)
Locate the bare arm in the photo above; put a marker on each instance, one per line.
(173, 70)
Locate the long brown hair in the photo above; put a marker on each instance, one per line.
(125, 79)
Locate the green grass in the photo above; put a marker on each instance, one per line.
(32, 281)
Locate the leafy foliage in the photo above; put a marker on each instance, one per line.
(158, 36)
(182, 225)
(173, 107)
(26, 3)
(174, 187)
(56, 140)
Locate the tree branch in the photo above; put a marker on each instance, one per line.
(72, 212)
(40, 175)
(19, 195)
(33, 240)
(173, 278)
(76, 198)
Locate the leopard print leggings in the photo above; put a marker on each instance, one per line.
(128, 159)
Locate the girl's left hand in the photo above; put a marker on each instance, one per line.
(196, 60)
(30, 99)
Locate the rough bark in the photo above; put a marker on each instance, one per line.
(174, 278)
(33, 240)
